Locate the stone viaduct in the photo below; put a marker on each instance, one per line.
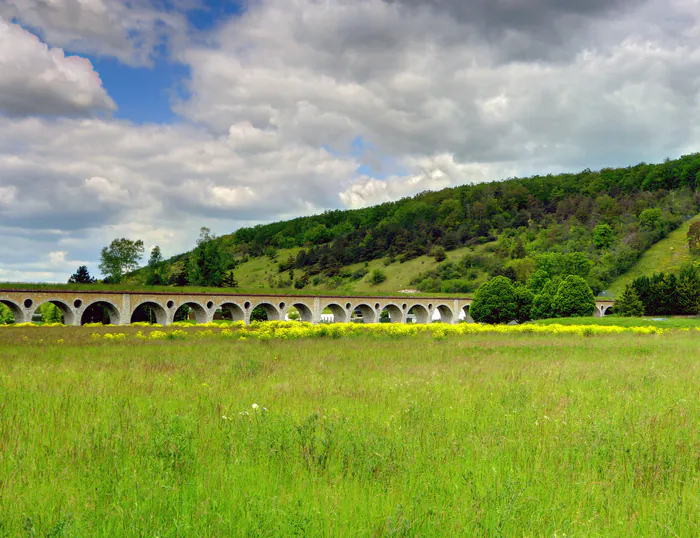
(121, 307)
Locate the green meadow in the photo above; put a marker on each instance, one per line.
(661, 322)
(370, 435)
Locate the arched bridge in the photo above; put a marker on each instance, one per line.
(78, 307)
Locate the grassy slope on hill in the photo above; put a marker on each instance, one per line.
(254, 274)
(253, 278)
(667, 255)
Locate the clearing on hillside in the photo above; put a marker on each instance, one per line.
(668, 255)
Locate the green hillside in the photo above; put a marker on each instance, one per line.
(596, 224)
(255, 273)
(668, 255)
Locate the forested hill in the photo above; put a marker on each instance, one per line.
(610, 217)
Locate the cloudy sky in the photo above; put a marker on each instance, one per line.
(151, 118)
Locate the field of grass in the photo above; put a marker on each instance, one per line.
(663, 322)
(667, 255)
(369, 435)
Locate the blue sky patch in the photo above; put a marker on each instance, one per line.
(143, 94)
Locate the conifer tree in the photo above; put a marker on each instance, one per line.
(154, 268)
(81, 276)
(629, 305)
(688, 290)
(229, 281)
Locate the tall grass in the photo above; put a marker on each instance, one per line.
(661, 322)
(484, 435)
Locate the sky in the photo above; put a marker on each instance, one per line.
(149, 119)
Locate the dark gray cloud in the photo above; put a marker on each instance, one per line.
(527, 30)
(522, 15)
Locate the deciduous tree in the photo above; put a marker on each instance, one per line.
(523, 298)
(6, 316)
(603, 236)
(377, 277)
(121, 257)
(495, 302)
(574, 298)
(206, 264)
(543, 302)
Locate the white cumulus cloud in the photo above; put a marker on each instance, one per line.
(37, 79)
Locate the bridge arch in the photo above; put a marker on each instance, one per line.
(16, 310)
(445, 312)
(234, 310)
(467, 316)
(68, 314)
(369, 314)
(419, 313)
(270, 310)
(149, 311)
(200, 312)
(305, 313)
(340, 314)
(394, 312)
(100, 311)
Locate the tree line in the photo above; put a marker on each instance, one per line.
(557, 289)
(663, 294)
(205, 266)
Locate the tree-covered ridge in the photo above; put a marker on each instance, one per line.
(473, 210)
(611, 216)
